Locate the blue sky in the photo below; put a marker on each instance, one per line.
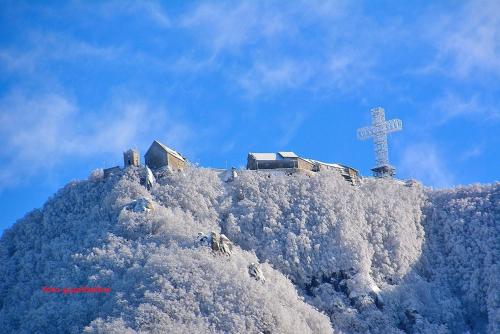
(83, 81)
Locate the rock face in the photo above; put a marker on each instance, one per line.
(255, 271)
(229, 175)
(149, 178)
(140, 205)
(380, 257)
(220, 243)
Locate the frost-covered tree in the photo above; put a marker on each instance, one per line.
(161, 279)
(463, 250)
(338, 243)
(379, 257)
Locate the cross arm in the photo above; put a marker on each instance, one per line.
(365, 132)
(393, 125)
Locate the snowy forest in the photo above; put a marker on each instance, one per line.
(263, 252)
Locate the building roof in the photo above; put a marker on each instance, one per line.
(332, 164)
(292, 155)
(329, 164)
(264, 156)
(288, 155)
(274, 156)
(169, 150)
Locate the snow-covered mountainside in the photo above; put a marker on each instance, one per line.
(306, 254)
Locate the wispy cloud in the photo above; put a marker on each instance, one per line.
(264, 76)
(350, 68)
(38, 44)
(426, 163)
(467, 40)
(257, 38)
(289, 127)
(151, 10)
(247, 42)
(44, 47)
(228, 26)
(41, 132)
(471, 153)
(451, 105)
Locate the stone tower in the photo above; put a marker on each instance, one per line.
(131, 158)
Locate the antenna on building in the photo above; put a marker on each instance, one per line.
(378, 131)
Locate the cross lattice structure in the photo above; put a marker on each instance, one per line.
(378, 131)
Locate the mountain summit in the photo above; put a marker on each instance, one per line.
(261, 252)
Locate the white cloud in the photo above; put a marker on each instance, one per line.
(350, 68)
(425, 163)
(264, 76)
(450, 106)
(37, 46)
(42, 132)
(44, 47)
(154, 10)
(333, 44)
(344, 70)
(151, 10)
(249, 42)
(468, 39)
(289, 126)
(225, 26)
(34, 132)
(472, 153)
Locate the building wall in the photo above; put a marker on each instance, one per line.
(251, 163)
(350, 174)
(110, 171)
(271, 164)
(156, 157)
(175, 163)
(131, 158)
(353, 173)
(321, 167)
(303, 164)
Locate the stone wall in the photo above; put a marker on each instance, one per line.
(175, 163)
(304, 164)
(156, 157)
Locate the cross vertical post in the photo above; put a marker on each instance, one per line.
(378, 131)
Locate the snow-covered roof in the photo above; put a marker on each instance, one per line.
(288, 154)
(331, 164)
(274, 156)
(339, 166)
(169, 150)
(264, 156)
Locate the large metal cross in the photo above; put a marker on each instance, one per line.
(378, 131)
